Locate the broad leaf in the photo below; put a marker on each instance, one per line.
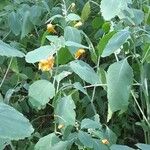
(112, 8)
(73, 35)
(57, 41)
(119, 147)
(143, 146)
(79, 87)
(14, 125)
(3, 143)
(8, 51)
(119, 81)
(85, 72)
(85, 139)
(14, 22)
(77, 45)
(97, 145)
(86, 11)
(41, 92)
(47, 142)
(88, 123)
(73, 17)
(103, 42)
(51, 142)
(62, 75)
(65, 113)
(26, 25)
(40, 53)
(115, 42)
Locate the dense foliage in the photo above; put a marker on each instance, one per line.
(75, 74)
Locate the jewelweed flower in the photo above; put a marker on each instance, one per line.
(79, 53)
(61, 126)
(51, 28)
(105, 141)
(78, 24)
(46, 64)
(72, 6)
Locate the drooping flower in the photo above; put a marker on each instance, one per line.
(60, 126)
(72, 6)
(79, 53)
(46, 64)
(105, 141)
(78, 24)
(51, 28)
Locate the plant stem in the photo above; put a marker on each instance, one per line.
(6, 73)
(144, 117)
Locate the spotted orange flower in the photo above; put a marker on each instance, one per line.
(46, 64)
(105, 141)
(79, 53)
(51, 28)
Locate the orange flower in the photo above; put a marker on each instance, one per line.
(46, 64)
(79, 53)
(78, 24)
(51, 28)
(105, 141)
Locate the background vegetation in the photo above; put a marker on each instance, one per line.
(75, 74)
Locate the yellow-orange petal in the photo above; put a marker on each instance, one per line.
(79, 53)
(60, 126)
(105, 141)
(78, 24)
(46, 64)
(51, 28)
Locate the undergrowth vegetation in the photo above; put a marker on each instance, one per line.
(74, 75)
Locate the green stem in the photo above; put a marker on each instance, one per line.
(136, 101)
(6, 73)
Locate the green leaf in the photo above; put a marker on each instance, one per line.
(143, 146)
(115, 42)
(119, 147)
(62, 75)
(8, 51)
(73, 17)
(57, 41)
(112, 8)
(70, 43)
(47, 142)
(65, 111)
(35, 14)
(85, 12)
(97, 145)
(88, 123)
(84, 71)
(64, 56)
(41, 92)
(79, 87)
(85, 139)
(3, 143)
(73, 35)
(40, 53)
(14, 22)
(14, 125)
(26, 25)
(103, 42)
(119, 81)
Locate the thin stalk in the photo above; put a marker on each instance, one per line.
(94, 90)
(136, 101)
(6, 73)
